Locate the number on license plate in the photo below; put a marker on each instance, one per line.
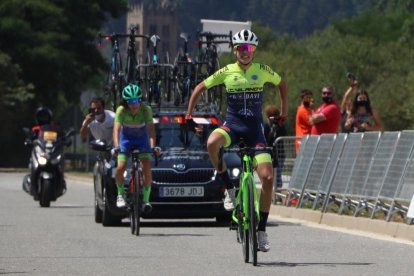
(181, 191)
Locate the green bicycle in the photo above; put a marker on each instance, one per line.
(245, 216)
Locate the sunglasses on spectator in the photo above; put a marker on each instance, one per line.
(245, 48)
(326, 92)
(133, 101)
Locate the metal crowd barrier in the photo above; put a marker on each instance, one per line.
(367, 172)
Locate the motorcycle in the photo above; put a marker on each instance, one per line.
(46, 180)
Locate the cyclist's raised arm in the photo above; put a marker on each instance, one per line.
(194, 96)
(283, 99)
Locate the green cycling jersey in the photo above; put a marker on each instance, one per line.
(244, 88)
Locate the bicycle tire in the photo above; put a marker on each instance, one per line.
(137, 201)
(131, 206)
(177, 94)
(120, 82)
(243, 232)
(132, 222)
(252, 221)
(129, 69)
(216, 94)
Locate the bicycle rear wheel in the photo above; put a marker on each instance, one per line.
(137, 201)
(252, 221)
(242, 232)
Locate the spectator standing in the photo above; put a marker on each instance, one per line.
(273, 129)
(303, 126)
(362, 116)
(346, 104)
(327, 118)
(99, 120)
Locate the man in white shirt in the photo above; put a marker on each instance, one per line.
(99, 121)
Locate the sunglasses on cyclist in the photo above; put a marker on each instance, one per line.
(245, 48)
(133, 101)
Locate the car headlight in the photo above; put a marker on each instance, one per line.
(42, 160)
(235, 172)
(40, 156)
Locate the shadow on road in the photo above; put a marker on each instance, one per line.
(178, 223)
(285, 264)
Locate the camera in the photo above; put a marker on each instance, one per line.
(350, 76)
(274, 119)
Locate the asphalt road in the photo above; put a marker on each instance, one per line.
(65, 240)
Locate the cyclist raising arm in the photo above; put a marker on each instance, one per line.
(133, 129)
(244, 81)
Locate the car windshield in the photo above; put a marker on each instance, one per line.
(177, 135)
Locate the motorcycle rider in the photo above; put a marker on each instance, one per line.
(44, 117)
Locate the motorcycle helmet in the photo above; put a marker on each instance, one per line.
(43, 116)
(131, 92)
(245, 37)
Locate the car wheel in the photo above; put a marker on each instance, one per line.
(98, 212)
(107, 218)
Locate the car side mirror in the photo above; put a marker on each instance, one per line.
(99, 145)
(71, 132)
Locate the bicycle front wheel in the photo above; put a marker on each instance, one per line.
(137, 202)
(243, 232)
(131, 206)
(252, 220)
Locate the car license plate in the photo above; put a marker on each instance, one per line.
(181, 191)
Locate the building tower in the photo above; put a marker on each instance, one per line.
(155, 17)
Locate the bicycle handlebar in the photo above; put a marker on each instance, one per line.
(116, 36)
(155, 65)
(239, 150)
(246, 149)
(214, 42)
(154, 151)
(211, 35)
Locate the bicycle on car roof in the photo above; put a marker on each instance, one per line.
(207, 63)
(116, 77)
(184, 71)
(156, 76)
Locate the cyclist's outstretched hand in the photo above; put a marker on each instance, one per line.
(114, 151)
(190, 122)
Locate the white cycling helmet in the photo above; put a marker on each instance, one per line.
(245, 36)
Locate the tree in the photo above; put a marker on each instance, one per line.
(50, 47)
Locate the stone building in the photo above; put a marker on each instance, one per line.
(155, 17)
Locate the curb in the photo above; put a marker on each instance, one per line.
(367, 225)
